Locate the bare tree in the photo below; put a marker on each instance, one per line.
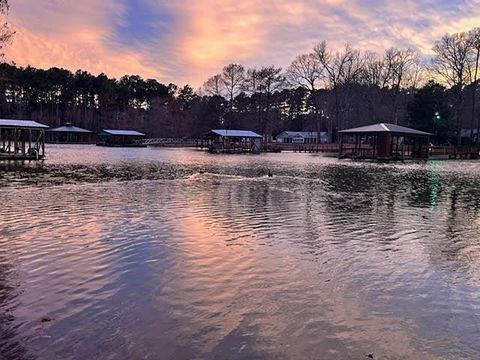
(250, 86)
(269, 80)
(376, 72)
(453, 63)
(341, 68)
(251, 81)
(233, 76)
(329, 61)
(376, 75)
(474, 37)
(6, 33)
(214, 86)
(451, 60)
(350, 79)
(306, 72)
(403, 67)
(353, 66)
(346, 87)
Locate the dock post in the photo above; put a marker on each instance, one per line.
(341, 146)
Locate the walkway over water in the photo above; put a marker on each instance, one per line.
(173, 142)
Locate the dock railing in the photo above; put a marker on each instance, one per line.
(325, 148)
(169, 142)
(455, 152)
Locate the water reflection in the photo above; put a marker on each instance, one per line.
(325, 260)
(11, 346)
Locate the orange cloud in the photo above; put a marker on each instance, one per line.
(216, 33)
(198, 38)
(73, 35)
(87, 53)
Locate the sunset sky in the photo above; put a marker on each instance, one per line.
(187, 41)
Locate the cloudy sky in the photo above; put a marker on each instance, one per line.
(186, 41)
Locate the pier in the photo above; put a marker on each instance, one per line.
(454, 152)
(384, 142)
(121, 138)
(69, 134)
(22, 140)
(224, 141)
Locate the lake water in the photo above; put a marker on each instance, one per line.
(176, 254)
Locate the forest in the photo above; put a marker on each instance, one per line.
(322, 90)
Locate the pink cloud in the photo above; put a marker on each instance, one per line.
(73, 35)
(204, 35)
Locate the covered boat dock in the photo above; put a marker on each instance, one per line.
(384, 141)
(69, 134)
(22, 140)
(121, 138)
(232, 141)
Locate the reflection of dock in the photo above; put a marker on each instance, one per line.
(22, 140)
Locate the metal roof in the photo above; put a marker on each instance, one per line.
(235, 133)
(385, 128)
(27, 124)
(70, 128)
(121, 132)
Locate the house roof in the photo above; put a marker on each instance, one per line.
(121, 132)
(235, 133)
(69, 128)
(466, 132)
(385, 128)
(26, 124)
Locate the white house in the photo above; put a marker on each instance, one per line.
(301, 137)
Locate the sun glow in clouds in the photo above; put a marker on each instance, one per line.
(186, 41)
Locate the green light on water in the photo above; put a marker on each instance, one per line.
(435, 180)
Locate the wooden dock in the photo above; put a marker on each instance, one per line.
(454, 152)
(305, 148)
(22, 140)
(435, 152)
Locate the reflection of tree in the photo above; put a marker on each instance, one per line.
(373, 203)
(456, 242)
(231, 203)
(361, 198)
(10, 346)
(384, 200)
(419, 189)
(261, 209)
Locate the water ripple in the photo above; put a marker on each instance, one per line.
(194, 256)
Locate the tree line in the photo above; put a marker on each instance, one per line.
(328, 90)
(322, 90)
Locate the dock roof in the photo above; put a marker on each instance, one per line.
(24, 124)
(121, 132)
(234, 133)
(69, 128)
(385, 128)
